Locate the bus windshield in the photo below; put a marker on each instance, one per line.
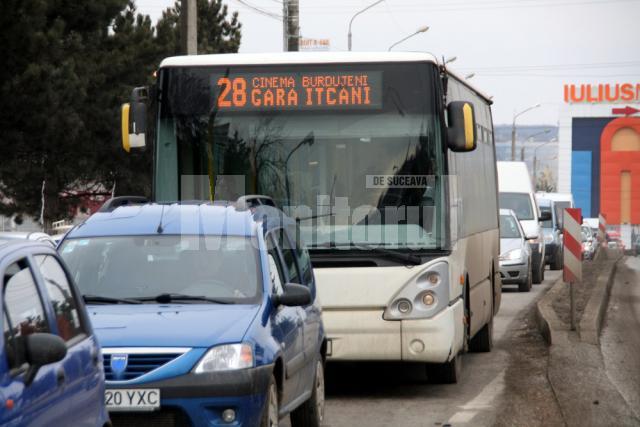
(353, 151)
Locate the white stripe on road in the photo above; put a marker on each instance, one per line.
(483, 400)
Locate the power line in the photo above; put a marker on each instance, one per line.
(555, 67)
(463, 7)
(260, 11)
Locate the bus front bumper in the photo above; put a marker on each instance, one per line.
(362, 334)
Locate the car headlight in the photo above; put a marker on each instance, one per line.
(548, 238)
(226, 357)
(512, 255)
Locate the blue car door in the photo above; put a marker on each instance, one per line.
(311, 313)
(81, 376)
(287, 323)
(39, 403)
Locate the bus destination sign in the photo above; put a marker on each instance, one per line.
(298, 91)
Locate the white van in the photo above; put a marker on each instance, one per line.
(517, 193)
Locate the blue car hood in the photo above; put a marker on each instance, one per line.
(172, 325)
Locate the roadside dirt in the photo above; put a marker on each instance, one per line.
(590, 270)
(528, 399)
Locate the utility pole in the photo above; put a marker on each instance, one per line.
(291, 25)
(189, 27)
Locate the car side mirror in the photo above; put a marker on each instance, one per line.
(461, 131)
(294, 295)
(544, 216)
(42, 349)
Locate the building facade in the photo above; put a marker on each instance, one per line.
(599, 150)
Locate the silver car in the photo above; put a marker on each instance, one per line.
(27, 235)
(515, 252)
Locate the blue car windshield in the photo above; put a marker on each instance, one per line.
(222, 268)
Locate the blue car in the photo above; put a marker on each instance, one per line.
(207, 313)
(51, 370)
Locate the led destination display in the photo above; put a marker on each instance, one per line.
(298, 91)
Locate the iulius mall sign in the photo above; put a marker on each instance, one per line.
(602, 93)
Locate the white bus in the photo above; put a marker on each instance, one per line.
(387, 162)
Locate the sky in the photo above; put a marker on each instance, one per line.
(522, 52)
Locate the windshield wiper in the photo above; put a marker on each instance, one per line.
(97, 299)
(403, 256)
(167, 298)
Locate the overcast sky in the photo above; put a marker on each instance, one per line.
(521, 51)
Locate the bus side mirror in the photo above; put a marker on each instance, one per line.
(461, 134)
(134, 120)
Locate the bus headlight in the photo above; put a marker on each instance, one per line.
(404, 306)
(424, 296)
(428, 299)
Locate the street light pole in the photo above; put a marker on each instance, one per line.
(418, 31)
(535, 158)
(354, 17)
(530, 139)
(513, 130)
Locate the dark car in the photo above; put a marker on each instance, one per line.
(51, 370)
(551, 233)
(207, 314)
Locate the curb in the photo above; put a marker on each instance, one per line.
(554, 331)
(591, 321)
(551, 328)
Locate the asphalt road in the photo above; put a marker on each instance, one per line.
(620, 338)
(505, 387)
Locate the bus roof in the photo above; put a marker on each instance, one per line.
(295, 58)
(286, 58)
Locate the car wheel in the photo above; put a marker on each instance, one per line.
(445, 373)
(270, 413)
(525, 286)
(311, 412)
(538, 268)
(557, 261)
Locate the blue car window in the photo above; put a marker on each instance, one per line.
(23, 309)
(289, 255)
(61, 296)
(302, 255)
(275, 269)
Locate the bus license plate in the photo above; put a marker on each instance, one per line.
(133, 399)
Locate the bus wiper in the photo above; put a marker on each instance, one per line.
(97, 299)
(167, 298)
(404, 256)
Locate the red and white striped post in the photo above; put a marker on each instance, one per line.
(602, 228)
(572, 237)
